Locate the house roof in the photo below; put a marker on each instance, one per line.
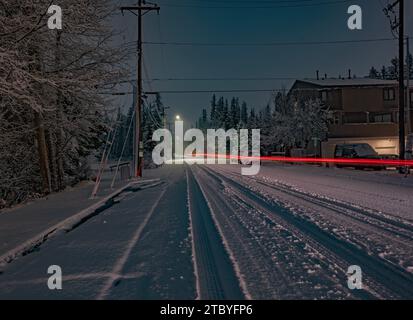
(354, 82)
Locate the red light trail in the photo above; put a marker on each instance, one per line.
(359, 162)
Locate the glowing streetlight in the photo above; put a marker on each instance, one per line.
(178, 118)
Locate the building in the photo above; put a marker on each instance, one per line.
(361, 110)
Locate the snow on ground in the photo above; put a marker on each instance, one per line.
(389, 234)
(139, 246)
(273, 262)
(288, 233)
(385, 191)
(312, 193)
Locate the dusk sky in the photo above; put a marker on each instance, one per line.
(237, 22)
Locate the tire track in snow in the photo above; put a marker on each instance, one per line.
(217, 277)
(194, 259)
(382, 222)
(362, 222)
(270, 278)
(385, 278)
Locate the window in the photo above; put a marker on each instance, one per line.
(334, 118)
(389, 94)
(355, 117)
(364, 150)
(348, 152)
(324, 96)
(380, 117)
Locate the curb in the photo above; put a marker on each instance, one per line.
(65, 225)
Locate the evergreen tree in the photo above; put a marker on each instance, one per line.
(237, 118)
(226, 121)
(383, 72)
(374, 74)
(266, 121)
(394, 69)
(220, 112)
(409, 62)
(204, 119)
(244, 114)
(202, 123)
(252, 120)
(233, 114)
(213, 116)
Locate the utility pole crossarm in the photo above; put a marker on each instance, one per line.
(141, 8)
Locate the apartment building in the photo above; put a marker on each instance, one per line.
(361, 110)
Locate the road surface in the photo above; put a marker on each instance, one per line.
(206, 232)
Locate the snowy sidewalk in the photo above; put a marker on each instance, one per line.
(23, 223)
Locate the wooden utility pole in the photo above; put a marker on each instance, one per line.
(402, 146)
(141, 9)
(408, 101)
(398, 25)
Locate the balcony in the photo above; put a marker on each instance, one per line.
(367, 130)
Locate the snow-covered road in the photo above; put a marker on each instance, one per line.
(207, 232)
(308, 239)
(138, 249)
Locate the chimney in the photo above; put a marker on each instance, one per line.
(318, 75)
(349, 73)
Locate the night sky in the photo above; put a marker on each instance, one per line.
(229, 22)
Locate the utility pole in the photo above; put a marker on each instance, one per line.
(408, 102)
(397, 25)
(141, 10)
(402, 145)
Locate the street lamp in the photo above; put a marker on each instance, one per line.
(178, 117)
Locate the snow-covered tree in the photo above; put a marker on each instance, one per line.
(374, 74)
(244, 114)
(51, 113)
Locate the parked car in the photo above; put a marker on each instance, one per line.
(357, 151)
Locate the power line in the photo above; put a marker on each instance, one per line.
(268, 44)
(131, 45)
(224, 79)
(252, 6)
(207, 79)
(217, 91)
(248, 1)
(197, 91)
(208, 91)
